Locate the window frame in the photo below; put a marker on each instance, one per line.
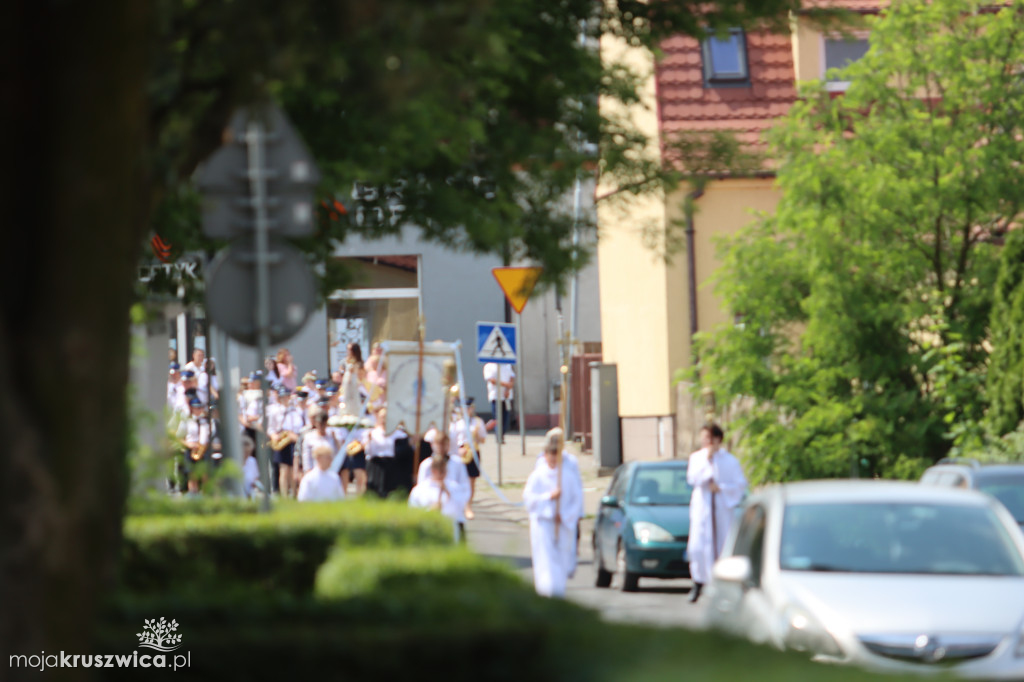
(838, 86)
(714, 79)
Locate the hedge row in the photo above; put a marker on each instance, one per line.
(373, 590)
(278, 551)
(166, 505)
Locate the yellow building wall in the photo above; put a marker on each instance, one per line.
(808, 50)
(726, 207)
(633, 278)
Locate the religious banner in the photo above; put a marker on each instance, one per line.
(403, 363)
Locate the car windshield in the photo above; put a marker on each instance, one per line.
(660, 486)
(1008, 489)
(897, 538)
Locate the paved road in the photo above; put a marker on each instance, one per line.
(502, 531)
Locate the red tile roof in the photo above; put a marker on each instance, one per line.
(685, 104)
(863, 6)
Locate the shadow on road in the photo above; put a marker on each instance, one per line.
(517, 562)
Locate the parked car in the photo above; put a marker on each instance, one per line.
(890, 575)
(1005, 482)
(643, 523)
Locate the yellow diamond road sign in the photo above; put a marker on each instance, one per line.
(517, 283)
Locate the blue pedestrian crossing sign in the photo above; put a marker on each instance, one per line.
(496, 342)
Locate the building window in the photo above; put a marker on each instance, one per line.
(382, 304)
(725, 59)
(840, 52)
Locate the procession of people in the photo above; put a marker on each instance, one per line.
(329, 440)
(308, 416)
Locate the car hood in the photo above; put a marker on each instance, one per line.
(918, 604)
(674, 519)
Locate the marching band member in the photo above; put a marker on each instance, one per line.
(188, 386)
(477, 433)
(197, 441)
(554, 507)
(321, 484)
(174, 387)
(354, 465)
(250, 412)
(198, 366)
(283, 427)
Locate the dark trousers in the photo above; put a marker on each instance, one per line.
(506, 416)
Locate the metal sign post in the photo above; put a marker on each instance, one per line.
(257, 181)
(238, 204)
(520, 390)
(498, 342)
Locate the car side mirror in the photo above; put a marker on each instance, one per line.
(733, 569)
(610, 501)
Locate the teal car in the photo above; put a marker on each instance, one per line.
(643, 523)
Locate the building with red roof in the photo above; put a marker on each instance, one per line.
(738, 83)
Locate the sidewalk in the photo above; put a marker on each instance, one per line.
(516, 468)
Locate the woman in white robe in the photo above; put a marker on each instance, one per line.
(719, 485)
(552, 504)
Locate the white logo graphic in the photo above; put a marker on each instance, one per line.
(157, 635)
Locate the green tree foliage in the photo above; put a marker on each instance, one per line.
(1006, 366)
(864, 299)
(468, 119)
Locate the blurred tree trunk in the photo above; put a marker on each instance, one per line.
(76, 200)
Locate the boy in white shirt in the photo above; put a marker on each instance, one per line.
(321, 484)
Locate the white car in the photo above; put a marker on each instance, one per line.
(892, 576)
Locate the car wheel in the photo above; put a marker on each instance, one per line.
(627, 581)
(604, 577)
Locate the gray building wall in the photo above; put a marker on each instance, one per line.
(457, 291)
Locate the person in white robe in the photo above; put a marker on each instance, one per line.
(321, 484)
(554, 501)
(571, 467)
(439, 491)
(718, 488)
(456, 470)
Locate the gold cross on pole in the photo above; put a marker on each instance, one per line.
(569, 346)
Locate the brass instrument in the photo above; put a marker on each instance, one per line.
(197, 452)
(283, 440)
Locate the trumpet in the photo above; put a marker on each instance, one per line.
(283, 440)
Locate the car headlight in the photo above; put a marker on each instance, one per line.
(803, 632)
(645, 532)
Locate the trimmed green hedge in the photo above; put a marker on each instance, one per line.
(278, 551)
(351, 572)
(383, 613)
(166, 505)
(255, 599)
